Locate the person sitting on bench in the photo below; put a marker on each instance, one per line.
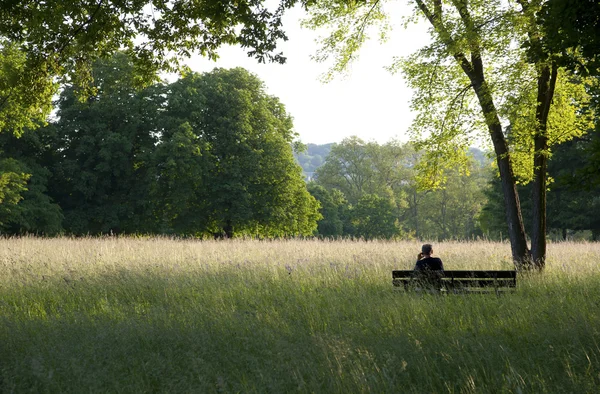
(428, 270)
(426, 262)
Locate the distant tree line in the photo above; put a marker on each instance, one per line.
(313, 157)
(207, 155)
(371, 191)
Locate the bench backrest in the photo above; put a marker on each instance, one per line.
(463, 278)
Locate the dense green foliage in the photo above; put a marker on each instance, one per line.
(574, 193)
(573, 198)
(41, 42)
(12, 183)
(208, 155)
(31, 209)
(572, 33)
(249, 181)
(469, 205)
(369, 190)
(334, 207)
(25, 94)
(101, 149)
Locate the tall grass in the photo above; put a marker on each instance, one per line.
(162, 315)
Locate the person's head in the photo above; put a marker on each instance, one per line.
(427, 249)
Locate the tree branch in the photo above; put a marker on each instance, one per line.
(436, 21)
(80, 28)
(364, 20)
(473, 37)
(492, 20)
(546, 93)
(462, 93)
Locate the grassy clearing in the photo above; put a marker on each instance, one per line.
(159, 315)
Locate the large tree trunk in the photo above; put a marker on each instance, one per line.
(514, 219)
(538, 229)
(546, 84)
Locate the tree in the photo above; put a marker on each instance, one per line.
(375, 217)
(207, 155)
(334, 209)
(104, 146)
(30, 209)
(574, 197)
(56, 39)
(13, 182)
(573, 202)
(25, 94)
(179, 196)
(476, 76)
(356, 168)
(349, 169)
(589, 172)
(239, 140)
(452, 212)
(571, 30)
(448, 212)
(388, 174)
(313, 157)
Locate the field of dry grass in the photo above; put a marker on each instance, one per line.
(163, 315)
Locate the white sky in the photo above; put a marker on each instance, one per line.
(369, 102)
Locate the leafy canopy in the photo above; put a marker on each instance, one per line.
(42, 41)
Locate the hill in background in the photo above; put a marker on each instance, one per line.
(315, 156)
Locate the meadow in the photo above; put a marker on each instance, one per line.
(128, 315)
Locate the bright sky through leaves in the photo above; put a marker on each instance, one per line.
(368, 102)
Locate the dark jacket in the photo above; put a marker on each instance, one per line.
(429, 272)
(429, 263)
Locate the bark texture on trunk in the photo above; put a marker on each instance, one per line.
(514, 219)
(546, 83)
(538, 230)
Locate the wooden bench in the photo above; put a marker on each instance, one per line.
(461, 281)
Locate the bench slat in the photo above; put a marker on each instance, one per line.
(479, 283)
(465, 283)
(398, 274)
(463, 280)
